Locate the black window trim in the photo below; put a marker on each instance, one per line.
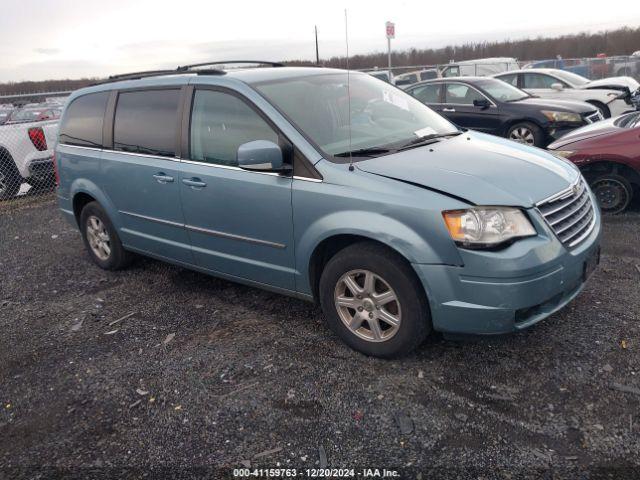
(304, 171)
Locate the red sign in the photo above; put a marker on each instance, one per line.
(391, 30)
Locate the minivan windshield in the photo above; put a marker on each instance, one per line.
(382, 116)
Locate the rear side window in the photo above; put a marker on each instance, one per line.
(82, 124)
(220, 123)
(146, 122)
(428, 93)
(512, 79)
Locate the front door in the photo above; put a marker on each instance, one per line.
(459, 107)
(239, 221)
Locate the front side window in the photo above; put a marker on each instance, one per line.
(511, 79)
(428, 93)
(381, 115)
(461, 94)
(83, 119)
(220, 123)
(146, 122)
(538, 80)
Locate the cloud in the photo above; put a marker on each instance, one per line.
(47, 51)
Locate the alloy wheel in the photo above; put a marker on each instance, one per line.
(522, 135)
(98, 238)
(367, 305)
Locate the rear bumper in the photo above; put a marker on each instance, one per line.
(41, 168)
(508, 290)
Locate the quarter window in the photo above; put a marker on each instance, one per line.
(461, 94)
(146, 122)
(220, 123)
(82, 124)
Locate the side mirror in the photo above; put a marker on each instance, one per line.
(261, 155)
(557, 86)
(482, 103)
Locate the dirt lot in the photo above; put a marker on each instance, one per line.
(204, 375)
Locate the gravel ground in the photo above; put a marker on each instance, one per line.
(201, 376)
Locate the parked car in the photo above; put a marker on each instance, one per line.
(410, 78)
(492, 106)
(4, 114)
(608, 155)
(479, 67)
(384, 75)
(337, 188)
(574, 65)
(610, 95)
(38, 113)
(26, 151)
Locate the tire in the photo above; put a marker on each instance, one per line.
(10, 178)
(614, 192)
(94, 223)
(527, 133)
(604, 110)
(392, 277)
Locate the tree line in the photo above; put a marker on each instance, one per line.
(622, 41)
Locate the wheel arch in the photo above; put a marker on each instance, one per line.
(84, 191)
(514, 121)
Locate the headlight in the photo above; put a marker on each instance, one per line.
(570, 117)
(563, 153)
(485, 227)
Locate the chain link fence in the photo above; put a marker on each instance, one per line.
(28, 131)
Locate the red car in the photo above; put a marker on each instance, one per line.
(608, 154)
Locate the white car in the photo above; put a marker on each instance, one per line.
(405, 79)
(609, 95)
(26, 153)
(479, 67)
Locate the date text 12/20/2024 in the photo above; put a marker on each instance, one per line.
(315, 473)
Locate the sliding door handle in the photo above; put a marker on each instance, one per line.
(195, 183)
(448, 109)
(163, 178)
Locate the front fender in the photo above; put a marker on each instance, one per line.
(375, 226)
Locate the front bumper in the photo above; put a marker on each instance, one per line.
(508, 290)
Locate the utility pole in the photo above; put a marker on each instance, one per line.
(391, 33)
(317, 52)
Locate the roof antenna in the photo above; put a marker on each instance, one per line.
(346, 38)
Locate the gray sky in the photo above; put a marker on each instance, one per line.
(43, 39)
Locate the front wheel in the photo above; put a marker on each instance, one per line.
(101, 239)
(614, 192)
(527, 133)
(373, 301)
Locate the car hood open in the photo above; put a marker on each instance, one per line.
(479, 169)
(614, 83)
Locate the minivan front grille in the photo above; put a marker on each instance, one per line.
(570, 213)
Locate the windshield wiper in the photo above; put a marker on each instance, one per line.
(426, 140)
(364, 152)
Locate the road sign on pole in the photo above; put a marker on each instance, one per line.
(391, 33)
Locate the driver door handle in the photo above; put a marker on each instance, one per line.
(194, 182)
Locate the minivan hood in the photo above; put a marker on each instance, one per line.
(480, 169)
(603, 127)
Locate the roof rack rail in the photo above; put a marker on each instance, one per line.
(229, 62)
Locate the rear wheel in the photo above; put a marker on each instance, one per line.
(527, 133)
(10, 178)
(614, 192)
(373, 301)
(101, 239)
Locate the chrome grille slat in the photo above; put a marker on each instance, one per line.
(570, 213)
(581, 202)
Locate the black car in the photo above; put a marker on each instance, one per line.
(492, 106)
